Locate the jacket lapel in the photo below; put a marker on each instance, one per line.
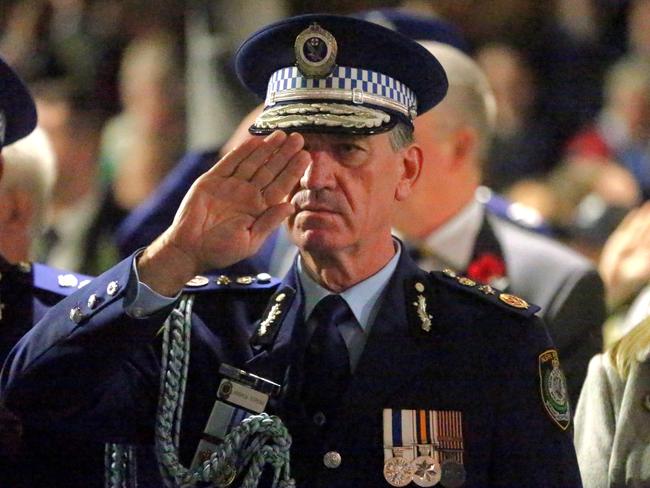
(394, 342)
(488, 264)
(271, 361)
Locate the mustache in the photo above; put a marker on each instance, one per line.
(317, 200)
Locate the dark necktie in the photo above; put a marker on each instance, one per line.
(327, 362)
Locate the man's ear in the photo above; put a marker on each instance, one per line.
(412, 160)
(465, 146)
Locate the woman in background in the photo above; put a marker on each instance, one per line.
(612, 421)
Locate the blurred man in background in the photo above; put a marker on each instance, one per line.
(451, 229)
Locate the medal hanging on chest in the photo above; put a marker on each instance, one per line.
(424, 447)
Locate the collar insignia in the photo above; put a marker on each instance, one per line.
(268, 327)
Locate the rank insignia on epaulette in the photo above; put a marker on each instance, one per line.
(513, 300)
(271, 320)
(418, 306)
(463, 280)
(198, 281)
(553, 388)
(222, 280)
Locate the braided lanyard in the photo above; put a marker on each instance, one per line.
(257, 441)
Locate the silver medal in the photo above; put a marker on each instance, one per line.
(426, 471)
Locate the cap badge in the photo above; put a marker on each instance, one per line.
(315, 50)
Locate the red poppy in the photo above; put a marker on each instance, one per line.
(486, 267)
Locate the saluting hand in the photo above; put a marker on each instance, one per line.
(228, 212)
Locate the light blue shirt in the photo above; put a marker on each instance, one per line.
(362, 298)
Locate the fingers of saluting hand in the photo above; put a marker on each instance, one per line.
(244, 161)
(267, 172)
(287, 178)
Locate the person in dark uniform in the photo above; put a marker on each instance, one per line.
(389, 375)
(27, 290)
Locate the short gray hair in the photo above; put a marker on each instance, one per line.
(401, 136)
(30, 165)
(470, 98)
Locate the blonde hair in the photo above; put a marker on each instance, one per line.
(632, 347)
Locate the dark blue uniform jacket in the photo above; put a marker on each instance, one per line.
(480, 358)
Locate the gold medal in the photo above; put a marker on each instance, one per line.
(426, 471)
(398, 471)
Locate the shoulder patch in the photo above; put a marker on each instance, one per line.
(57, 280)
(271, 321)
(203, 283)
(506, 301)
(553, 389)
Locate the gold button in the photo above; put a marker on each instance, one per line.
(419, 287)
(513, 301)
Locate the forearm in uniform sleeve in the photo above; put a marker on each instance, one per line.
(68, 362)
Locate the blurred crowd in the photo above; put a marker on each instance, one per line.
(570, 79)
(571, 82)
(570, 150)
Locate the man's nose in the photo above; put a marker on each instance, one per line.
(320, 172)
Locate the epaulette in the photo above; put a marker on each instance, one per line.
(202, 283)
(55, 280)
(506, 301)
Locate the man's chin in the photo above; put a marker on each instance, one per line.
(315, 240)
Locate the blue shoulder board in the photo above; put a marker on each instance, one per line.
(57, 280)
(513, 212)
(203, 283)
(506, 301)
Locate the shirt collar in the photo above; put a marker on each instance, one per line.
(453, 242)
(361, 298)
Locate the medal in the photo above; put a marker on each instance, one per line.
(426, 468)
(398, 471)
(398, 451)
(453, 474)
(426, 471)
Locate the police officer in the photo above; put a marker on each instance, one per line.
(390, 376)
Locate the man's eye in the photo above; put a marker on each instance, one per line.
(348, 148)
